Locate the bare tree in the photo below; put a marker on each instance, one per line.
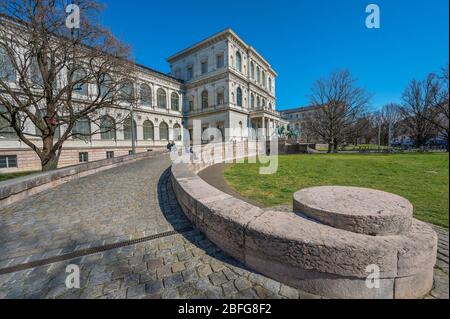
(419, 99)
(342, 105)
(439, 114)
(390, 118)
(53, 76)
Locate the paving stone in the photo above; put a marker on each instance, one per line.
(218, 278)
(174, 280)
(242, 284)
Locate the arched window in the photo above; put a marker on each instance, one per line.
(127, 129)
(270, 84)
(270, 106)
(146, 95)
(161, 99)
(163, 132)
(82, 129)
(177, 132)
(7, 72)
(263, 102)
(258, 74)
(238, 61)
(79, 80)
(239, 96)
(6, 131)
(35, 73)
(252, 101)
(264, 78)
(175, 102)
(149, 131)
(205, 99)
(252, 70)
(191, 103)
(107, 128)
(106, 87)
(126, 91)
(258, 102)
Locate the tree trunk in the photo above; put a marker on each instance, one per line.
(50, 158)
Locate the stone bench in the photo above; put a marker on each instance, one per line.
(326, 246)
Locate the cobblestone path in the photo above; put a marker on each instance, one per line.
(54, 229)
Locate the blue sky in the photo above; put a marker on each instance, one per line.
(302, 39)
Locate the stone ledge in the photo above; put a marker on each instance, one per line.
(359, 210)
(307, 254)
(17, 189)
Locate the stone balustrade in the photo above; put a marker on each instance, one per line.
(328, 246)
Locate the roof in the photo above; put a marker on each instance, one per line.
(300, 109)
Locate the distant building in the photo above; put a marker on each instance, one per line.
(302, 118)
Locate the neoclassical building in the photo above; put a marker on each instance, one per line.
(221, 81)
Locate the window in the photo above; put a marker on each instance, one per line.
(239, 97)
(220, 98)
(258, 74)
(107, 128)
(177, 132)
(204, 67)
(35, 73)
(252, 101)
(191, 104)
(163, 132)
(238, 61)
(8, 161)
(83, 157)
(106, 87)
(127, 91)
(263, 78)
(7, 72)
(42, 113)
(220, 61)
(109, 154)
(148, 130)
(252, 70)
(146, 95)
(6, 131)
(270, 84)
(175, 102)
(82, 129)
(79, 81)
(161, 99)
(204, 99)
(258, 102)
(127, 129)
(190, 72)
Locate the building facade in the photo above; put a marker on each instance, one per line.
(221, 82)
(302, 119)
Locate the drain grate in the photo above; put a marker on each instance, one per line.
(90, 251)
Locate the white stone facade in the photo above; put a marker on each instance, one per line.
(221, 81)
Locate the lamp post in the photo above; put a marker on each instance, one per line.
(133, 138)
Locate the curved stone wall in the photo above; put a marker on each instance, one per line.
(302, 252)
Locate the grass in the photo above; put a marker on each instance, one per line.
(4, 177)
(421, 178)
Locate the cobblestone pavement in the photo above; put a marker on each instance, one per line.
(114, 206)
(139, 202)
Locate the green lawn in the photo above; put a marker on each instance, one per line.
(4, 177)
(421, 178)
